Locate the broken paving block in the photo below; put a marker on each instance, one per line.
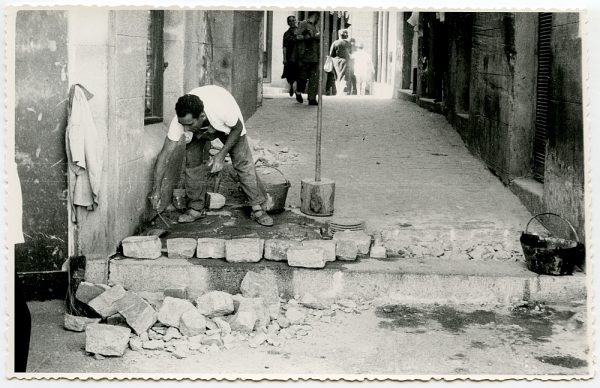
(87, 291)
(306, 257)
(378, 252)
(276, 249)
(138, 313)
(75, 323)
(215, 201)
(215, 303)
(210, 248)
(142, 247)
(346, 250)
(181, 248)
(172, 309)
(362, 239)
(106, 340)
(243, 250)
(105, 303)
(180, 292)
(260, 285)
(192, 323)
(328, 247)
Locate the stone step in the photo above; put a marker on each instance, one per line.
(402, 280)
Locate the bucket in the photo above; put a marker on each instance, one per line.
(276, 187)
(551, 255)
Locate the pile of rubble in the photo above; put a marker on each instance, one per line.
(347, 245)
(217, 320)
(270, 154)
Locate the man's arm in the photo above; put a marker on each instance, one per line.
(232, 139)
(162, 161)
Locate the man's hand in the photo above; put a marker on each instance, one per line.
(218, 162)
(155, 199)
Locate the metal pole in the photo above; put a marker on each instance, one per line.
(320, 106)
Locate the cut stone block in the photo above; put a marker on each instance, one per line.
(142, 247)
(154, 298)
(181, 248)
(306, 257)
(172, 309)
(87, 291)
(105, 303)
(244, 306)
(215, 201)
(138, 313)
(243, 250)
(215, 303)
(210, 248)
(75, 323)
(106, 340)
(362, 240)
(180, 293)
(276, 249)
(346, 250)
(192, 323)
(258, 285)
(378, 252)
(328, 247)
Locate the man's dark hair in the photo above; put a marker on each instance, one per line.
(288, 18)
(189, 103)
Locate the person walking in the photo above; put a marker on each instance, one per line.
(363, 69)
(308, 50)
(340, 52)
(290, 58)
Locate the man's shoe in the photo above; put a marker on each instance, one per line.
(299, 98)
(261, 217)
(191, 215)
(313, 102)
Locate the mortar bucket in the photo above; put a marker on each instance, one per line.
(276, 185)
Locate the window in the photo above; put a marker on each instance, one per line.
(154, 68)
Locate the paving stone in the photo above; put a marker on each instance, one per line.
(105, 303)
(172, 332)
(346, 250)
(216, 201)
(138, 313)
(181, 248)
(153, 345)
(306, 257)
(379, 252)
(310, 301)
(87, 291)
(135, 344)
(210, 248)
(276, 249)
(362, 239)
(215, 303)
(117, 320)
(142, 247)
(154, 298)
(75, 323)
(295, 315)
(328, 247)
(192, 323)
(258, 285)
(172, 309)
(223, 325)
(106, 340)
(243, 250)
(257, 340)
(181, 292)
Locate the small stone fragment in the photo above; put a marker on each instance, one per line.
(172, 309)
(257, 340)
(215, 303)
(276, 249)
(212, 340)
(142, 247)
(294, 315)
(379, 252)
(135, 344)
(172, 333)
(362, 240)
(222, 325)
(306, 257)
(181, 248)
(283, 322)
(347, 303)
(210, 248)
(215, 201)
(106, 340)
(105, 303)
(328, 246)
(192, 323)
(243, 250)
(346, 250)
(153, 345)
(75, 323)
(308, 300)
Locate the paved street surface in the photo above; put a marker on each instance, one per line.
(392, 162)
(373, 339)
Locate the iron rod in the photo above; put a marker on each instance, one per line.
(320, 106)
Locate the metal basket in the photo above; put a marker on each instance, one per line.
(551, 255)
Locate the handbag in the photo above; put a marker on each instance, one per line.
(328, 66)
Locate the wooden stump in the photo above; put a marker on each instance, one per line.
(316, 198)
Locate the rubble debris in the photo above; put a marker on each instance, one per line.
(378, 252)
(257, 340)
(362, 239)
(105, 303)
(243, 250)
(215, 303)
(76, 323)
(210, 248)
(192, 323)
(153, 345)
(138, 313)
(347, 303)
(306, 257)
(135, 344)
(87, 291)
(214, 339)
(106, 340)
(328, 247)
(222, 325)
(181, 248)
(172, 309)
(276, 249)
(295, 315)
(142, 247)
(172, 332)
(308, 300)
(346, 250)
